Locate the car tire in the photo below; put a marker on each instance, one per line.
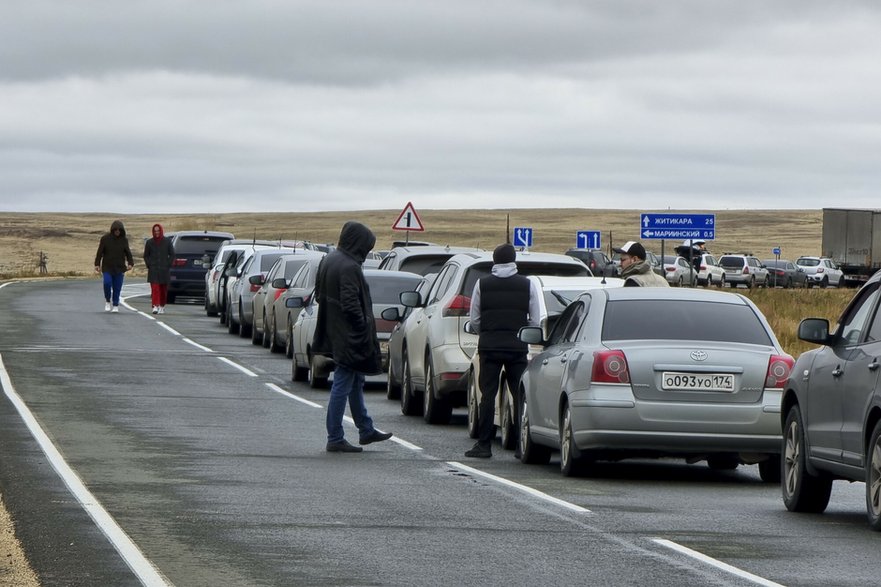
(169, 298)
(802, 491)
(289, 343)
(473, 406)
(681, 281)
(572, 462)
(410, 403)
(434, 409)
(788, 283)
(392, 387)
(508, 427)
(721, 283)
(315, 382)
(873, 479)
(244, 329)
(825, 283)
(210, 311)
(723, 462)
(257, 337)
(770, 470)
(752, 283)
(530, 453)
(231, 325)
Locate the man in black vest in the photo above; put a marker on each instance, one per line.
(500, 304)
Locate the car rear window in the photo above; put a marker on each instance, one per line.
(291, 268)
(808, 262)
(683, 320)
(387, 290)
(732, 262)
(424, 264)
(477, 271)
(268, 260)
(198, 245)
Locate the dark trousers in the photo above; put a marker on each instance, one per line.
(491, 364)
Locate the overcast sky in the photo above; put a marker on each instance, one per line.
(280, 105)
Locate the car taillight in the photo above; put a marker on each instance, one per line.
(458, 306)
(670, 268)
(819, 270)
(703, 267)
(746, 270)
(179, 263)
(610, 367)
(779, 368)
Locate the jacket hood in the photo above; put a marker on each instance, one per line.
(357, 240)
(642, 267)
(118, 224)
(161, 231)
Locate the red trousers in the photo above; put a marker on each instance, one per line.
(159, 293)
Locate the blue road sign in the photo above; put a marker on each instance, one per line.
(664, 226)
(587, 239)
(522, 236)
(775, 251)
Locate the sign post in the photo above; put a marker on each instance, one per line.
(408, 220)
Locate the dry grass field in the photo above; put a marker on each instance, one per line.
(70, 241)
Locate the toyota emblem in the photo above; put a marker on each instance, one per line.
(699, 355)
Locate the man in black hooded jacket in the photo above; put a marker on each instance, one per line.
(345, 330)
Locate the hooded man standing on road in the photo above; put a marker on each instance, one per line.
(501, 303)
(345, 330)
(634, 270)
(113, 259)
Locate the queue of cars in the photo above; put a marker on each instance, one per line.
(614, 372)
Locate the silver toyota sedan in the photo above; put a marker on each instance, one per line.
(655, 372)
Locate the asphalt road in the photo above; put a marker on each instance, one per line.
(194, 460)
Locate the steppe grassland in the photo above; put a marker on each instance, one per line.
(70, 241)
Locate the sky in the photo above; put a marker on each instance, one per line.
(191, 106)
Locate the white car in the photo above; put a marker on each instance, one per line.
(678, 271)
(557, 293)
(821, 271)
(710, 272)
(226, 255)
(437, 351)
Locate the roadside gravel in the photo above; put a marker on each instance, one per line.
(14, 568)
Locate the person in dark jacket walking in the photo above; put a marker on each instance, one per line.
(345, 330)
(501, 303)
(158, 256)
(113, 259)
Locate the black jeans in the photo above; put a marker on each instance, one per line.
(491, 364)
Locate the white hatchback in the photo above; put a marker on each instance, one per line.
(821, 271)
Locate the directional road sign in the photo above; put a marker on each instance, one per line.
(587, 239)
(523, 236)
(664, 226)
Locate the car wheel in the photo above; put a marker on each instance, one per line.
(169, 298)
(723, 462)
(410, 404)
(873, 479)
(721, 283)
(506, 420)
(392, 387)
(571, 460)
(257, 337)
(530, 453)
(315, 382)
(681, 281)
(434, 409)
(244, 329)
(473, 406)
(289, 343)
(788, 283)
(231, 325)
(825, 283)
(770, 469)
(752, 283)
(802, 492)
(274, 347)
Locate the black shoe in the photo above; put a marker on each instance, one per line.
(479, 452)
(375, 436)
(342, 446)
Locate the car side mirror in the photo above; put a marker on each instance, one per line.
(815, 330)
(256, 280)
(279, 283)
(294, 302)
(531, 335)
(411, 299)
(391, 314)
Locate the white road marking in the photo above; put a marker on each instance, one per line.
(198, 346)
(523, 488)
(715, 563)
(141, 566)
(277, 389)
(168, 328)
(247, 372)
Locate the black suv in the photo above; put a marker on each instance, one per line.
(597, 261)
(193, 255)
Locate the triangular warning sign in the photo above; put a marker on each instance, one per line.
(408, 220)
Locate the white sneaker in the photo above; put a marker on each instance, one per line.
(106, 306)
(161, 309)
(115, 309)
(155, 309)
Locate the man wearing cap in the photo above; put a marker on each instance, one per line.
(501, 304)
(634, 270)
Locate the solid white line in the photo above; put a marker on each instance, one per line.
(718, 564)
(168, 328)
(277, 389)
(523, 488)
(237, 366)
(139, 564)
(198, 346)
(2, 285)
(394, 439)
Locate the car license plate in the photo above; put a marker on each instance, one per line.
(673, 381)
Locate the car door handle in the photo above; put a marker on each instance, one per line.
(837, 372)
(873, 366)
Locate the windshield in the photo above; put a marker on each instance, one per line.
(387, 290)
(197, 245)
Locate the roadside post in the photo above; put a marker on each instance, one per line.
(776, 252)
(408, 220)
